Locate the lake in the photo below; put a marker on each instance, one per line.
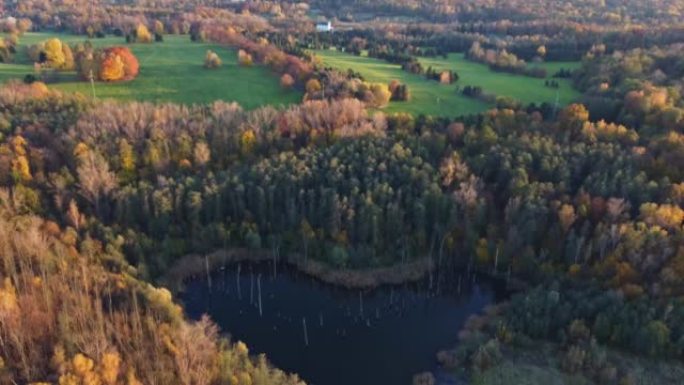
(335, 336)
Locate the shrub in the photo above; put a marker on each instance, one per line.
(313, 86)
(142, 34)
(287, 81)
(212, 60)
(245, 59)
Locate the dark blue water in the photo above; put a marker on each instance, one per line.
(382, 337)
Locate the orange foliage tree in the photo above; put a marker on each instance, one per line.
(110, 64)
(130, 62)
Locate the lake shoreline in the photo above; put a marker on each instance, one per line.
(194, 265)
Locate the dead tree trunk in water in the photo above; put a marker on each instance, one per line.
(459, 284)
(276, 254)
(306, 335)
(206, 265)
(251, 287)
(496, 260)
(259, 291)
(237, 282)
(361, 303)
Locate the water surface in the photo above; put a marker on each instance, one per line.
(334, 336)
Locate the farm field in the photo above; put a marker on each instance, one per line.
(171, 71)
(429, 97)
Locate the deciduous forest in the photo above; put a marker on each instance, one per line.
(402, 162)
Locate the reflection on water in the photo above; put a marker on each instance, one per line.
(333, 336)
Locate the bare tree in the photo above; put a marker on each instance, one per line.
(96, 180)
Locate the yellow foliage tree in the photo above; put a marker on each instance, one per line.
(54, 53)
(127, 158)
(21, 169)
(247, 142)
(82, 365)
(142, 34)
(666, 216)
(381, 94)
(573, 117)
(541, 51)
(8, 297)
(109, 367)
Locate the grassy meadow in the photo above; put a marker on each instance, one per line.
(430, 97)
(170, 71)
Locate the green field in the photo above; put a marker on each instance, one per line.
(430, 97)
(171, 71)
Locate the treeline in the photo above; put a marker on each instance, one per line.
(565, 36)
(650, 12)
(503, 61)
(99, 18)
(262, 51)
(562, 40)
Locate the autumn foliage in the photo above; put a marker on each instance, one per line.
(65, 318)
(142, 34)
(111, 64)
(212, 60)
(286, 81)
(129, 62)
(52, 53)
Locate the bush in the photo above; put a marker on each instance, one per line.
(400, 92)
(245, 59)
(287, 81)
(142, 34)
(212, 60)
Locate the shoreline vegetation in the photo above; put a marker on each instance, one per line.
(193, 265)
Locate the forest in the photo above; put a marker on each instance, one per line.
(576, 207)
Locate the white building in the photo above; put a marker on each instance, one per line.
(324, 26)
